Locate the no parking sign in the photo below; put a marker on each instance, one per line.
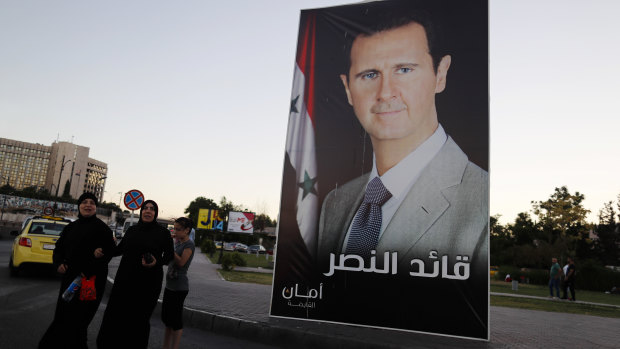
(133, 199)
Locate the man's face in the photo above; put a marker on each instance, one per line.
(554, 260)
(392, 84)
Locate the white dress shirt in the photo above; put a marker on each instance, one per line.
(400, 178)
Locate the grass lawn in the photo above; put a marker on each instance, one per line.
(247, 277)
(555, 306)
(543, 291)
(251, 260)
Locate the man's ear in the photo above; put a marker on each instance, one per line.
(442, 73)
(345, 82)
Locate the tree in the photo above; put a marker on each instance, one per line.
(262, 221)
(29, 192)
(524, 230)
(7, 189)
(194, 207)
(608, 242)
(225, 207)
(65, 192)
(111, 206)
(500, 243)
(563, 218)
(618, 203)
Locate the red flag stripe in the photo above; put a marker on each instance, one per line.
(307, 68)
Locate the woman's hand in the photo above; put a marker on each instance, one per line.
(98, 252)
(147, 265)
(62, 268)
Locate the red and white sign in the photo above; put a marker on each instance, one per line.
(133, 199)
(241, 222)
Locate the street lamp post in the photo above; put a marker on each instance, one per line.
(62, 167)
(4, 198)
(99, 188)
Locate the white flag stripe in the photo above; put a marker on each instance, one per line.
(300, 147)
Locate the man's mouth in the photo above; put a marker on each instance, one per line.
(387, 109)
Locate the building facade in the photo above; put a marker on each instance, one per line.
(56, 167)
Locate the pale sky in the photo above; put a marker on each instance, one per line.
(191, 98)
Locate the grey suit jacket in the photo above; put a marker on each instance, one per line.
(446, 211)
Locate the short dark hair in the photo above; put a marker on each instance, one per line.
(185, 222)
(383, 18)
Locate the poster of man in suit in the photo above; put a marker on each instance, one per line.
(384, 212)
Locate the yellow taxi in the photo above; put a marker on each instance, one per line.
(36, 242)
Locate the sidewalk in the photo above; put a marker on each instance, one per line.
(242, 310)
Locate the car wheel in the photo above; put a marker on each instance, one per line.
(13, 270)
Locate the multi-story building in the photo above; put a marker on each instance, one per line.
(56, 167)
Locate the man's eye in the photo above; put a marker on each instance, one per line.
(404, 70)
(369, 76)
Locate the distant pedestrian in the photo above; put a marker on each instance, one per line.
(146, 248)
(177, 284)
(555, 275)
(569, 279)
(563, 282)
(192, 235)
(85, 248)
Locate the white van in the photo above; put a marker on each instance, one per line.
(128, 223)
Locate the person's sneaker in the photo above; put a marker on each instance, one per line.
(549, 297)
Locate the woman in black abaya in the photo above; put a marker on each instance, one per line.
(146, 247)
(85, 248)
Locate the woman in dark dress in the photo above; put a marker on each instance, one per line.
(146, 248)
(85, 247)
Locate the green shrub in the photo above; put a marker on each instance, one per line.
(207, 246)
(590, 276)
(594, 277)
(227, 262)
(238, 260)
(232, 260)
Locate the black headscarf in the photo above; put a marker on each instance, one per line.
(156, 211)
(83, 197)
(87, 195)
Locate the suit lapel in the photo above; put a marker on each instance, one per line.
(426, 201)
(346, 201)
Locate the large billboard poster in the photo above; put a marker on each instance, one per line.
(209, 219)
(385, 191)
(241, 222)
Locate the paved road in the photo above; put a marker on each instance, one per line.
(241, 310)
(28, 304)
(510, 328)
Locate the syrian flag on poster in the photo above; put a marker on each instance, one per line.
(300, 145)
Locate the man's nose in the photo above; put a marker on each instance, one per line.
(387, 90)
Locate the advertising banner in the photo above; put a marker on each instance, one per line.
(10, 203)
(240, 222)
(385, 191)
(209, 219)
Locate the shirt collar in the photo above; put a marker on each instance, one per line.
(400, 178)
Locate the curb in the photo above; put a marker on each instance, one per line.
(502, 294)
(298, 334)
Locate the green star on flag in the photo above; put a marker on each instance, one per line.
(308, 185)
(294, 105)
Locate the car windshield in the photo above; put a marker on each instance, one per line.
(46, 228)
